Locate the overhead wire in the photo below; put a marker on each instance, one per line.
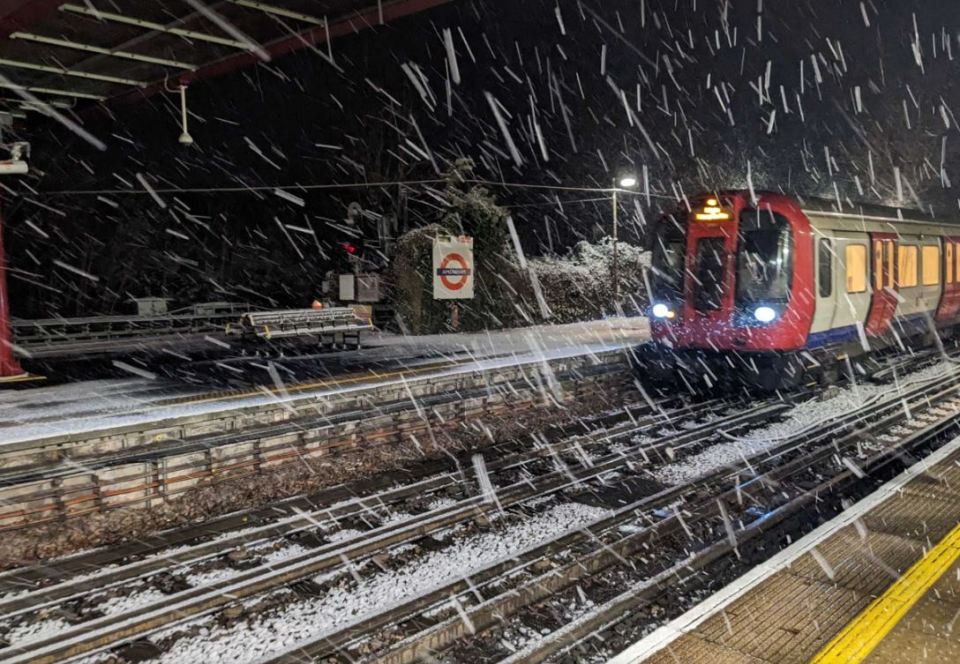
(344, 185)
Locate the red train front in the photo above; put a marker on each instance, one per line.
(733, 281)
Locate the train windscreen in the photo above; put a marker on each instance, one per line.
(764, 259)
(667, 266)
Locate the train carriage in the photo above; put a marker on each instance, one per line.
(776, 291)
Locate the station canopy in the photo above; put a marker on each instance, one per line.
(91, 51)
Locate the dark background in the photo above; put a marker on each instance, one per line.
(231, 245)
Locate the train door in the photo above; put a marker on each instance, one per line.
(708, 296)
(852, 285)
(949, 305)
(908, 277)
(884, 299)
(825, 272)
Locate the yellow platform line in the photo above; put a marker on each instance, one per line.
(862, 635)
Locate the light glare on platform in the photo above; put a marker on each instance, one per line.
(628, 181)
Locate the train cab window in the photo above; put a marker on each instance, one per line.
(931, 265)
(667, 266)
(764, 258)
(907, 266)
(956, 265)
(711, 260)
(855, 261)
(825, 268)
(948, 263)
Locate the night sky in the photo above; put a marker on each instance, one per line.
(824, 98)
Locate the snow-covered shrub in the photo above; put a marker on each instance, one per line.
(470, 210)
(579, 285)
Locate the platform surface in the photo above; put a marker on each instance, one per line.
(879, 583)
(92, 405)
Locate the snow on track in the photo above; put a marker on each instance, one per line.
(351, 603)
(804, 416)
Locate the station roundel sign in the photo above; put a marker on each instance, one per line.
(453, 269)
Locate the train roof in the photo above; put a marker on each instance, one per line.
(834, 208)
(844, 213)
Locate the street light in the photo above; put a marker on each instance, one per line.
(624, 182)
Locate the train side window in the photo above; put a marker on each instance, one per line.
(948, 263)
(888, 252)
(907, 266)
(956, 265)
(856, 264)
(931, 265)
(825, 268)
(878, 265)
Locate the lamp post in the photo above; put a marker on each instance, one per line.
(623, 182)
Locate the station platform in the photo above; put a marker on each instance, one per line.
(878, 583)
(73, 408)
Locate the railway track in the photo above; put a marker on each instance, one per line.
(786, 481)
(146, 474)
(602, 623)
(295, 517)
(429, 476)
(162, 397)
(603, 547)
(346, 380)
(341, 554)
(580, 468)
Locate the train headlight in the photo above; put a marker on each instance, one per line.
(765, 314)
(660, 310)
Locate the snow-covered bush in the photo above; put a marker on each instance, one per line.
(579, 285)
(469, 210)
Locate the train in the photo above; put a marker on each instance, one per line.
(772, 290)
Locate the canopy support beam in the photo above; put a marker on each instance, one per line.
(10, 368)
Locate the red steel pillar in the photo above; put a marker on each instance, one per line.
(9, 367)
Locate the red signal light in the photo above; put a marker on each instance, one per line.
(349, 247)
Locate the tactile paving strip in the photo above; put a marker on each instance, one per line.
(786, 619)
(864, 561)
(942, 482)
(925, 519)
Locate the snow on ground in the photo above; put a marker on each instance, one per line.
(71, 399)
(141, 599)
(518, 340)
(36, 630)
(520, 640)
(805, 416)
(91, 406)
(351, 603)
